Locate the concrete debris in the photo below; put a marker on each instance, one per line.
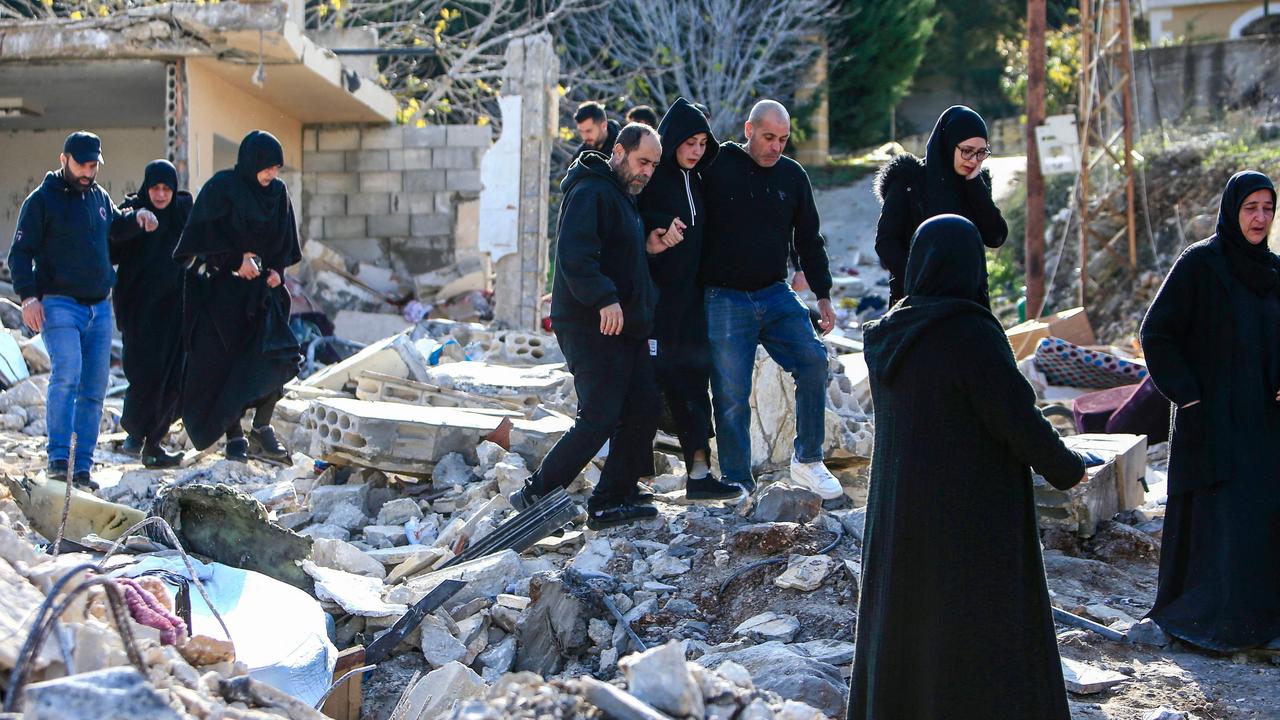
(768, 627)
(1147, 632)
(804, 572)
(112, 694)
(660, 678)
(1085, 679)
(1164, 713)
(775, 668)
(346, 557)
(781, 503)
(553, 628)
(439, 691)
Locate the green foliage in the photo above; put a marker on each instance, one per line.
(1062, 69)
(879, 45)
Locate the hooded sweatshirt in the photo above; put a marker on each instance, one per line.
(610, 137)
(60, 247)
(600, 254)
(756, 215)
(676, 192)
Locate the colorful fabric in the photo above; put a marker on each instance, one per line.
(1065, 363)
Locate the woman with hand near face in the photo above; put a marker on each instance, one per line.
(1212, 343)
(673, 202)
(240, 351)
(950, 180)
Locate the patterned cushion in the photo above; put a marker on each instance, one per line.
(1064, 363)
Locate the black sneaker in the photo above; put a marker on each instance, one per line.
(619, 514)
(640, 498)
(522, 499)
(709, 487)
(158, 457)
(84, 481)
(57, 469)
(131, 446)
(263, 443)
(237, 450)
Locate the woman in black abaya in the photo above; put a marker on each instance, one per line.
(148, 305)
(240, 351)
(953, 586)
(950, 179)
(1212, 343)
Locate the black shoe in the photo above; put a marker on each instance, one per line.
(522, 499)
(263, 443)
(640, 498)
(131, 446)
(57, 469)
(710, 488)
(619, 514)
(84, 481)
(158, 457)
(747, 484)
(237, 450)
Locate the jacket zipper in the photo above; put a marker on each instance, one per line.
(688, 191)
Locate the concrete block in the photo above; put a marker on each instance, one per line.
(455, 158)
(1111, 488)
(339, 138)
(429, 225)
(464, 181)
(387, 182)
(368, 204)
(422, 181)
(322, 205)
(323, 162)
(367, 160)
(310, 139)
(313, 228)
(336, 183)
(478, 135)
(445, 202)
(414, 203)
(389, 225)
(382, 138)
(410, 159)
(345, 226)
(1130, 455)
(525, 385)
(421, 137)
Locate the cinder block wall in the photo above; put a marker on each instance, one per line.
(389, 195)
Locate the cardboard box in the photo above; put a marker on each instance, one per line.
(1070, 325)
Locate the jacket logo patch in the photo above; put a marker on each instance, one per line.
(17, 237)
(103, 212)
(782, 195)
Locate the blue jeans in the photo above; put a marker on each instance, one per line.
(78, 338)
(775, 317)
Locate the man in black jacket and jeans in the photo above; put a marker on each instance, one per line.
(602, 303)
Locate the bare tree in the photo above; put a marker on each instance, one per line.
(725, 54)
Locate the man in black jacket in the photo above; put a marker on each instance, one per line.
(62, 271)
(597, 131)
(602, 303)
(760, 206)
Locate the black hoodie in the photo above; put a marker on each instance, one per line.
(610, 138)
(757, 215)
(676, 192)
(600, 254)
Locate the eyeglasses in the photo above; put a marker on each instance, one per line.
(970, 153)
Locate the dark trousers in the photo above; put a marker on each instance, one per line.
(617, 402)
(262, 414)
(684, 375)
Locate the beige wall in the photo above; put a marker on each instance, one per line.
(1200, 21)
(29, 154)
(219, 108)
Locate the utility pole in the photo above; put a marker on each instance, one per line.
(1034, 238)
(1126, 69)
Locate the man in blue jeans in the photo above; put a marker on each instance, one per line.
(760, 206)
(62, 270)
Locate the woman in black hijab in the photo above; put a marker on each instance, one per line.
(949, 180)
(953, 587)
(240, 351)
(148, 305)
(1212, 343)
(673, 202)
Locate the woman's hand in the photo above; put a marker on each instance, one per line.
(248, 268)
(273, 279)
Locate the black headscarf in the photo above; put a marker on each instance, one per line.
(158, 172)
(946, 276)
(1254, 265)
(944, 187)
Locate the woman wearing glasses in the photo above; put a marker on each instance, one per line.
(949, 180)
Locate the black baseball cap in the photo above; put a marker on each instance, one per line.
(84, 147)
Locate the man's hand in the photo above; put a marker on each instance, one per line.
(273, 279)
(611, 320)
(828, 313)
(33, 314)
(799, 282)
(147, 220)
(248, 268)
(660, 239)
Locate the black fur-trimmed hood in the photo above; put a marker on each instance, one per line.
(906, 169)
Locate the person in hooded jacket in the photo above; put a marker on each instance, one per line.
(602, 304)
(240, 352)
(148, 307)
(1212, 343)
(950, 179)
(597, 131)
(953, 585)
(683, 355)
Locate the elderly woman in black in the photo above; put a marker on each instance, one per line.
(240, 351)
(148, 305)
(1212, 343)
(950, 179)
(953, 586)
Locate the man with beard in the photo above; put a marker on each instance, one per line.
(602, 304)
(62, 271)
(598, 133)
(148, 306)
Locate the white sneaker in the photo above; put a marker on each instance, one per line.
(816, 477)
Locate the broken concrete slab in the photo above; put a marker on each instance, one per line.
(775, 667)
(804, 572)
(324, 500)
(1130, 455)
(661, 678)
(356, 594)
(769, 626)
(395, 356)
(399, 511)
(367, 328)
(438, 644)
(524, 385)
(346, 557)
(1085, 679)
(554, 626)
(120, 693)
(485, 577)
(436, 693)
(783, 503)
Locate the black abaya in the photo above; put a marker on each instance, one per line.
(240, 351)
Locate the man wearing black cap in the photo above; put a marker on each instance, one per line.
(62, 271)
